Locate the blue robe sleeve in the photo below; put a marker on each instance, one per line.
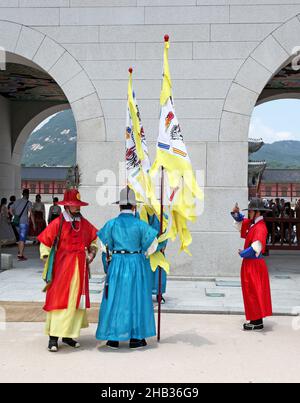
(248, 253)
(105, 234)
(238, 217)
(148, 235)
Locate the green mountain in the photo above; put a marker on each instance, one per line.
(281, 154)
(54, 144)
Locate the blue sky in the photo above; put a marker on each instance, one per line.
(276, 121)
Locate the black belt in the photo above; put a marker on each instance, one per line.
(125, 252)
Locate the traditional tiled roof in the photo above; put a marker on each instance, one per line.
(281, 176)
(47, 173)
(256, 167)
(254, 145)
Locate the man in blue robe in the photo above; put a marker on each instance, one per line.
(127, 311)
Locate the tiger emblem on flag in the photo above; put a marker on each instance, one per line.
(176, 133)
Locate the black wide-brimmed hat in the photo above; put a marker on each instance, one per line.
(257, 204)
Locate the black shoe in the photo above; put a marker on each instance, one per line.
(136, 343)
(53, 344)
(113, 344)
(71, 342)
(252, 327)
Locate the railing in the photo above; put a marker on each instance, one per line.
(284, 233)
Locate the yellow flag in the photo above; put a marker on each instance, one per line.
(172, 154)
(135, 119)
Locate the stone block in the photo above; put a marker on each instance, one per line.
(6, 261)
(160, 3)
(270, 54)
(71, 34)
(263, 13)
(48, 54)
(187, 15)
(60, 73)
(240, 100)
(288, 35)
(96, 159)
(234, 127)
(102, 3)
(104, 51)
(102, 16)
(9, 34)
(29, 42)
(87, 108)
(222, 50)
(31, 16)
(219, 202)
(241, 32)
(44, 3)
(253, 76)
(78, 87)
(227, 164)
(91, 130)
(155, 33)
(9, 3)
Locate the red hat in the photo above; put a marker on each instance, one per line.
(72, 198)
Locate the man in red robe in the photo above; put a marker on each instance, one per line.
(68, 294)
(254, 272)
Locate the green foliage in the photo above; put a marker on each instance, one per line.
(281, 154)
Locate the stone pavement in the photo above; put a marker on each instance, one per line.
(193, 348)
(184, 295)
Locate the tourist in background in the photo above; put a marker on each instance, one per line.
(21, 211)
(12, 199)
(39, 214)
(7, 235)
(55, 211)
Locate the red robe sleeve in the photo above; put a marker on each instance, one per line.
(48, 236)
(246, 224)
(91, 232)
(260, 234)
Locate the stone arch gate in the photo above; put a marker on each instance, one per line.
(214, 230)
(61, 83)
(268, 58)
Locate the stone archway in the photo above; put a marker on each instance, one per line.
(267, 59)
(263, 63)
(36, 49)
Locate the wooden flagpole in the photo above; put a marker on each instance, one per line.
(162, 182)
